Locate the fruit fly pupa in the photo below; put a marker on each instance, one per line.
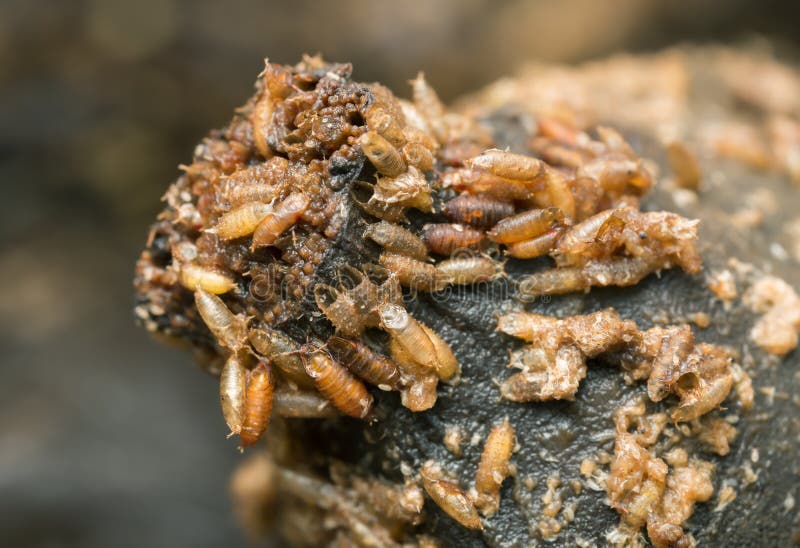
(283, 217)
(555, 281)
(409, 189)
(478, 210)
(507, 164)
(281, 350)
(383, 155)
(260, 119)
(232, 387)
(385, 125)
(469, 270)
(449, 497)
(365, 363)
(258, 404)
(340, 309)
(526, 225)
(419, 393)
(209, 279)
(396, 239)
(409, 335)
(535, 247)
(444, 238)
(301, 404)
(429, 105)
(558, 192)
(447, 367)
(414, 274)
(241, 221)
(229, 329)
(493, 467)
(345, 392)
(362, 195)
(478, 182)
(419, 156)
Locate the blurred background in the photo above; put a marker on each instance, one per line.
(108, 438)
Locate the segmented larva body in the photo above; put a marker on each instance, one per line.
(477, 210)
(258, 405)
(242, 221)
(213, 280)
(469, 270)
(414, 274)
(345, 392)
(508, 165)
(429, 106)
(526, 225)
(232, 386)
(555, 281)
(444, 238)
(493, 467)
(449, 497)
(301, 404)
(396, 239)
(383, 154)
(229, 329)
(409, 335)
(535, 247)
(419, 393)
(367, 364)
(281, 219)
(282, 352)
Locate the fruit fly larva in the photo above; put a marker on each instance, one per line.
(383, 154)
(213, 280)
(260, 119)
(229, 329)
(445, 238)
(505, 164)
(257, 405)
(278, 221)
(396, 239)
(414, 274)
(558, 191)
(241, 221)
(409, 335)
(535, 247)
(282, 351)
(362, 196)
(449, 497)
(232, 388)
(233, 194)
(366, 364)
(526, 225)
(345, 392)
(419, 156)
(478, 210)
(301, 404)
(469, 270)
(447, 367)
(385, 125)
(555, 281)
(493, 467)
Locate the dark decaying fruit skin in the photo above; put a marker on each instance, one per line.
(554, 437)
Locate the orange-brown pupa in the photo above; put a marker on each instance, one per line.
(478, 210)
(414, 274)
(493, 467)
(281, 219)
(396, 239)
(213, 280)
(469, 270)
(241, 221)
(229, 329)
(383, 155)
(260, 119)
(449, 497)
(535, 247)
(445, 238)
(232, 387)
(343, 390)
(526, 225)
(410, 336)
(447, 367)
(507, 164)
(367, 364)
(257, 405)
